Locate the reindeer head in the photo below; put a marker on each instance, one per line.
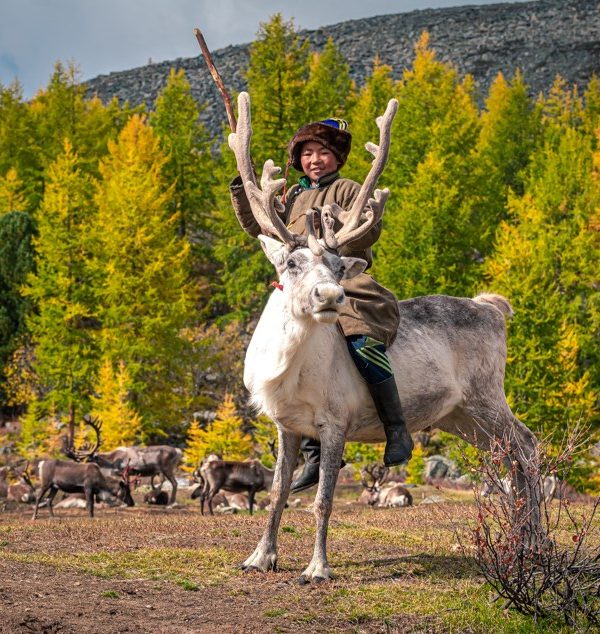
(310, 268)
(124, 493)
(377, 474)
(310, 282)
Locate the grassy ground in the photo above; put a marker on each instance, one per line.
(172, 570)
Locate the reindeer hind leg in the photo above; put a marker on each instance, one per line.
(51, 496)
(487, 424)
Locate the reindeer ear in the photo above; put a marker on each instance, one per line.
(353, 267)
(274, 250)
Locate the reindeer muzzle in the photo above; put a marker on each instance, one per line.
(326, 300)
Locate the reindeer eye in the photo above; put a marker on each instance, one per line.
(291, 264)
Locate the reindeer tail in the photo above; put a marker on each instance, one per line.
(498, 301)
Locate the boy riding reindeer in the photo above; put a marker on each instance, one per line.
(369, 317)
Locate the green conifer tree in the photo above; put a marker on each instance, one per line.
(185, 143)
(277, 75)
(121, 425)
(16, 262)
(224, 437)
(62, 111)
(546, 262)
(510, 132)
(63, 324)
(371, 103)
(430, 243)
(329, 91)
(19, 143)
(141, 265)
(11, 196)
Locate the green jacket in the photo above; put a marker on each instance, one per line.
(370, 309)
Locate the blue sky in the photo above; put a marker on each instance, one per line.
(101, 36)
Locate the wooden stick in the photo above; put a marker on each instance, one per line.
(215, 73)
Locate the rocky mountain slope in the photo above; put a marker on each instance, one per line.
(542, 38)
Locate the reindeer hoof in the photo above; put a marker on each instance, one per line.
(303, 580)
(319, 579)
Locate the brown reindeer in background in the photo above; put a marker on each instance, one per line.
(235, 477)
(141, 461)
(375, 494)
(87, 478)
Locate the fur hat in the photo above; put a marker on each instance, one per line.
(331, 133)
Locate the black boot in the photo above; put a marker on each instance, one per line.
(311, 450)
(387, 402)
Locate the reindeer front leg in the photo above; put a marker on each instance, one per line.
(264, 557)
(332, 448)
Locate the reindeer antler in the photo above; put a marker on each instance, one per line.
(377, 472)
(367, 470)
(266, 208)
(263, 202)
(375, 198)
(82, 455)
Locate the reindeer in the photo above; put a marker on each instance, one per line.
(448, 357)
(235, 477)
(22, 491)
(392, 495)
(85, 478)
(142, 461)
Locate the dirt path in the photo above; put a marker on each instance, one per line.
(152, 570)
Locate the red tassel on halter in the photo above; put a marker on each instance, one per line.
(275, 284)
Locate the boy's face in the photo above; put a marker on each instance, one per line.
(317, 161)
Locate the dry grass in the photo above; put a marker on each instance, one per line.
(397, 570)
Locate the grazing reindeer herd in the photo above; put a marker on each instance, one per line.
(449, 359)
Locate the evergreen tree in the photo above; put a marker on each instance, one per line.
(264, 434)
(546, 262)
(64, 321)
(277, 75)
(11, 196)
(592, 106)
(61, 111)
(16, 262)
(121, 425)
(40, 431)
(185, 143)
(329, 91)
(240, 286)
(436, 112)
(371, 103)
(19, 145)
(431, 240)
(142, 292)
(224, 437)
(510, 132)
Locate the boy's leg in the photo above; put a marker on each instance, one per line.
(311, 450)
(372, 362)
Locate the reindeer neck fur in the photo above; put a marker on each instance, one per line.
(287, 361)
